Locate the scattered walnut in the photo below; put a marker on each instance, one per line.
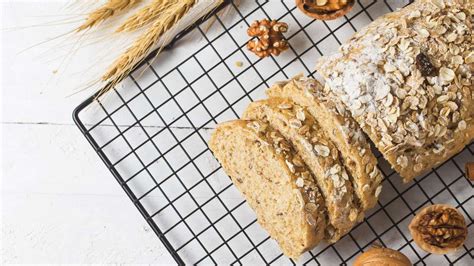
(382, 256)
(439, 229)
(425, 66)
(270, 39)
(325, 9)
(329, 5)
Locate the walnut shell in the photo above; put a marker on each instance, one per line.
(322, 12)
(377, 256)
(439, 229)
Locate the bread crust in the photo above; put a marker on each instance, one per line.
(268, 172)
(306, 136)
(343, 131)
(406, 78)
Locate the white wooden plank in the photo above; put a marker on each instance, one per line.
(42, 68)
(61, 205)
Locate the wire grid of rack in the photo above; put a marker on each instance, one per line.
(152, 134)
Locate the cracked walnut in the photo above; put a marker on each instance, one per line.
(439, 229)
(269, 38)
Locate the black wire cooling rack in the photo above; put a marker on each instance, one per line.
(152, 135)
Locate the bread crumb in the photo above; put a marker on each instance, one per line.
(239, 64)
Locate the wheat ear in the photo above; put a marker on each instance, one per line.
(144, 44)
(145, 15)
(106, 11)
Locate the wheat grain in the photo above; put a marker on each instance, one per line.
(145, 15)
(143, 45)
(106, 11)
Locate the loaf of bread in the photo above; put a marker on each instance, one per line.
(319, 154)
(343, 131)
(275, 182)
(301, 158)
(407, 80)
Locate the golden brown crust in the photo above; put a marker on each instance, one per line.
(319, 154)
(407, 80)
(266, 170)
(439, 229)
(343, 131)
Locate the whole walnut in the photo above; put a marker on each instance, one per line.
(269, 39)
(378, 256)
(325, 9)
(439, 229)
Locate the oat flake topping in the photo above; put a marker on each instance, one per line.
(407, 79)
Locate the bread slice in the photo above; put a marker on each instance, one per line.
(345, 133)
(319, 154)
(275, 182)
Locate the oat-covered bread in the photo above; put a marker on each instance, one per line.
(319, 154)
(406, 78)
(343, 131)
(275, 182)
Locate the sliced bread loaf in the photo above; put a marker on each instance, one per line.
(409, 85)
(275, 182)
(341, 129)
(319, 154)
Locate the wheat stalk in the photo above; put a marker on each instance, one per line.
(145, 15)
(143, 45)
(106, 11)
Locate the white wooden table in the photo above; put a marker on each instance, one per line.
(59, 202)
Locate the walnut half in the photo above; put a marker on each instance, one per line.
(325, 9)
(439, 229)
(377, 256)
